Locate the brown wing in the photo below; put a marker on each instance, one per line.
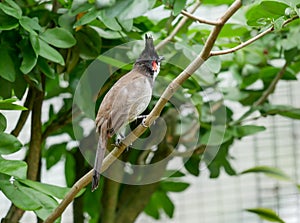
(128, 98)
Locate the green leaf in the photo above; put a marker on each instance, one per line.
(246, 130)
(46, 68)
(126, 24)
(50, 53)
(109, 34)
(274, 7)
(278, 23)
(34, 40)
(213, 64)
(19, 196)
(58, 37)
(70, 169)
(9, 144)
(109, 22)
(88, 43)
(14, 168)
(178, 6)
(269, 171)
(48, 203)
(283, 110)
(7, 104)
(152, 208)
(192, 165)
(11, 8)
(216, 136)
(5, 89)
(166, 204)
(20, 86)
(3, 123)
(7, 66)
(173, 173)
(29, 57)
(247, 2)
(135, 9)
(7, 22)
(111, 61)
(217, 157)
(30, 24)
(54, 153)
(218, 2)
(88, 17)
(266, 214)
(51, 190)
(259, 15)
(174, 186)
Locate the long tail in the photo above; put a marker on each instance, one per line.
(101, 147)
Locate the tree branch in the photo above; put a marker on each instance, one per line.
(205, 21)
(264, 96)
(167, 94)
(14, 214)
(110, 200)
(34, 155)
(271, 87)
(24, 114)
(253, 39)
(177, 28)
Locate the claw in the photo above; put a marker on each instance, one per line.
(144, 124)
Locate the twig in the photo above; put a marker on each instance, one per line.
(271, 87)
(24, 114)
(176, 29)
(242, 45)
(201, 20)
(248, 42)
(167, 94)
(264, 96)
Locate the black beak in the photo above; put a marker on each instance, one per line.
(160, 58)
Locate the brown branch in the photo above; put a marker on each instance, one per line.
(33, 160)
(34, 155)
(167, 94)
(264, 96)
(130, 203)
(177, 28)
(201, 20)
(248, 42)
(110, 200)
(24, 114)
(271, 87)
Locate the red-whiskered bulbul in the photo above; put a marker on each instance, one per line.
(126, 100)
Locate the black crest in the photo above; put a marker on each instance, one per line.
(149, 52)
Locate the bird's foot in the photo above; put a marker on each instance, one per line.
(143, 122)
(141, 116)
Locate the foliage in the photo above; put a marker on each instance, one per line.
(47, 46)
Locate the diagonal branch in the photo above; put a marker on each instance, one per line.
(198, 19)
(253, 39)
(264, 96)
(177, 28)
(271, 87)
(24, 114)
(154, 114)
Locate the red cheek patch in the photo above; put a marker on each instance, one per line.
(154, 65)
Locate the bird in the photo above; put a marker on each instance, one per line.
(125, 101)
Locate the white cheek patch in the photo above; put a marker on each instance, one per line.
(155, 73)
